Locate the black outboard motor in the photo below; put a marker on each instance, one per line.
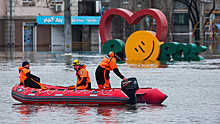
(130, 88)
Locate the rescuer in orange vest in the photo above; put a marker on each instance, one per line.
(83, 79)
(107, 64)
(28, 79)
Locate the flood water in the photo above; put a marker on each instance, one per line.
(192, 89)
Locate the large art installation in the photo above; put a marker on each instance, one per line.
(146, 45)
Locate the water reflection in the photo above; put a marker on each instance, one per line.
(146, 64)
(68, 59)
(26, 110)
(152, 108)
(82, 113)
(8, 54)
(107, 114)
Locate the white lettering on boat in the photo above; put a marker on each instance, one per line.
(58, 94)
(93, 94)
(31, 94)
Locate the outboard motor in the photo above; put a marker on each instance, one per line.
(130, 88)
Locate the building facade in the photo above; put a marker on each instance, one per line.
(38, 25)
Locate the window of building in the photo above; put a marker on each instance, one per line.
(178, 5)
(29, 3)
(181, 19)
(125, 1)
(87, 8)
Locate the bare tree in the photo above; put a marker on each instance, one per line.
(193, 12)
(167, 9)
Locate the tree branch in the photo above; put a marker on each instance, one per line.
(212, 9)
(210, 12)
(47, 4)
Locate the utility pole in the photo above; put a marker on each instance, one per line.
(9, 24)
(67, 27)
(12, 20)
(201, 21)
(151, 18)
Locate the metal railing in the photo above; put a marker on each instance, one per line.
(81, 46)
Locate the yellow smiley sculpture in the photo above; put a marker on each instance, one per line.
(142, 45)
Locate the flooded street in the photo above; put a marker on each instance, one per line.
(192, 89)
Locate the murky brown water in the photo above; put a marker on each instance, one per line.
(192, 89)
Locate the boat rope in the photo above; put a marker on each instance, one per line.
(33, 90)
(25, 90)
(79, 92)
(64, 92)
(88, 92)
(68, 92)
(16, 87)
(83, 91)
(51, 92)
(41, 92)
(107, 93)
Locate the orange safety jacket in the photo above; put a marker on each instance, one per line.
(83, 79)
(109, 62)
(23, 71)
(25, 74)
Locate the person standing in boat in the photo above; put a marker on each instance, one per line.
(108, 64)
(28, 79)
(83, 79)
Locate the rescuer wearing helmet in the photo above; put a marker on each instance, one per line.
(83, 79)
(107, 64)
(28, 79)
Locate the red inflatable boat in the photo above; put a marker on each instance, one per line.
(61, 95)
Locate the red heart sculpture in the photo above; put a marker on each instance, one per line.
(133, 19)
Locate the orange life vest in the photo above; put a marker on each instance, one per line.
(23, 71)
(82, 73)
(109, 62)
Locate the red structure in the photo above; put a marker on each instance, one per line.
(133, 19)
(61, 95)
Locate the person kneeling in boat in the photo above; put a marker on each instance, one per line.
(83, 79)
(28, 79)
(107, 64)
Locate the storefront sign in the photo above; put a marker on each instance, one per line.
(50, 20)
(85, 20)
(75, 20)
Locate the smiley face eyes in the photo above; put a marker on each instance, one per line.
(136, 49)
(140, 47)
